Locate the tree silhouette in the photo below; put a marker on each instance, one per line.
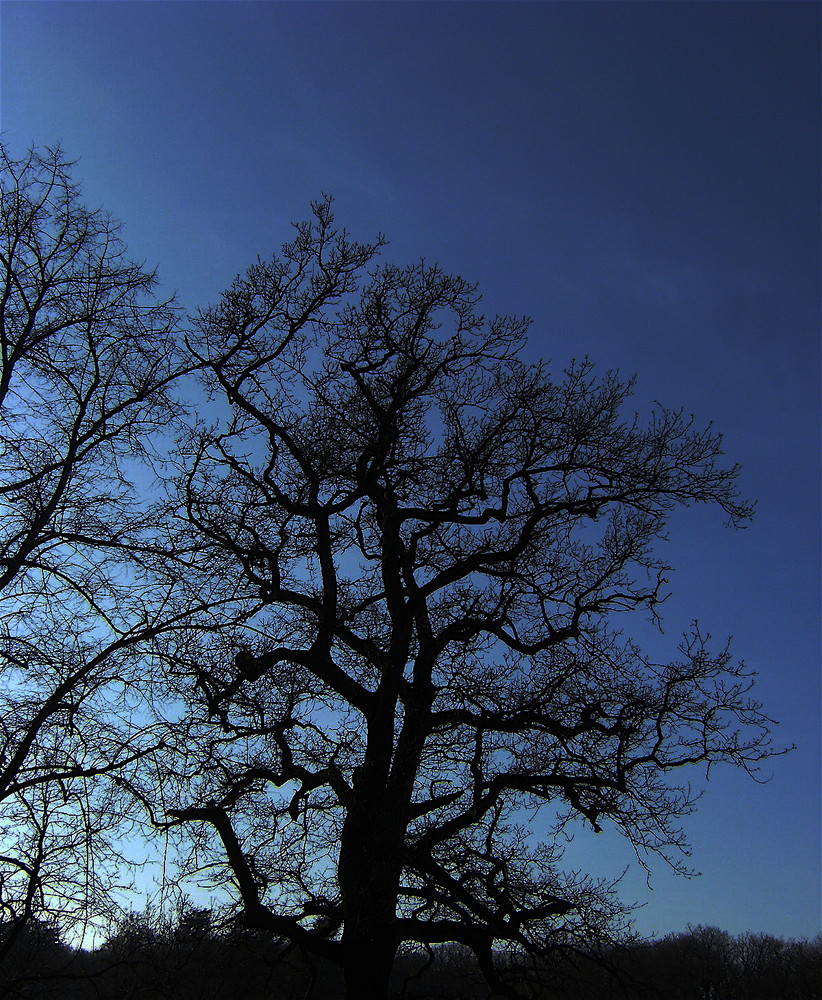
(419, 543)
(87, 355)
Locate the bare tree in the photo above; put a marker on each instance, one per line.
(426, 540)
(87, 355)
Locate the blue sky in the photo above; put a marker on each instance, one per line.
(640, 178)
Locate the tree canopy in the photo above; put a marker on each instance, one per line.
(87, 358)
(426, 539)
(360, 645)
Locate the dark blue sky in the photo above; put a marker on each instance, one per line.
(641, 178)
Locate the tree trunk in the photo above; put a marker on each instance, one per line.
(369, 873)
(367, 969)
(368, 939)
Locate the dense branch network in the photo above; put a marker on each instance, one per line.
(87, 361)
(425, 539)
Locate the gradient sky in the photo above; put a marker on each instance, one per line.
(641, 178)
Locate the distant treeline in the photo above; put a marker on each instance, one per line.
(190, 958)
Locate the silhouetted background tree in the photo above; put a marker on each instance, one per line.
(87, 354)
(187, 956)
(410, 545)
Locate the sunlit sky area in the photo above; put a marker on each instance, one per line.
(640, 178)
